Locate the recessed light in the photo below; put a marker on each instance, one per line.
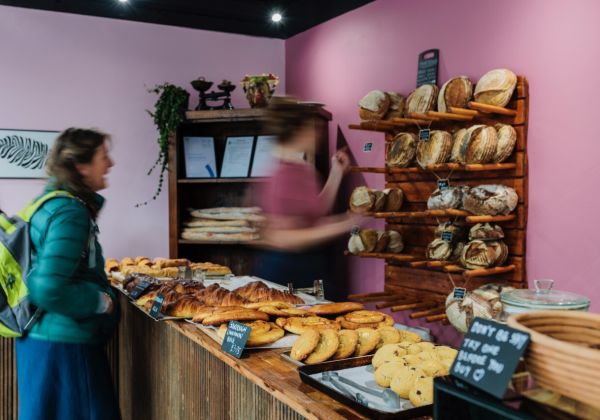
(122, 1)
(276, 17)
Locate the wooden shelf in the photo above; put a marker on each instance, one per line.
(242, 114)
(469, 218)
(471, 167)
(382, 255)
(220, 180)
(205, 242)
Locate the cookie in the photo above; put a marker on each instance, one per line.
(426, 345)
(412, 360)
(348, 341)
(422, 392)
(388, 353)
(368, 339)
(414, 348)
(385, 373)
(405, 344)
(445, 352)
(432, 367)
(364, 317)
(326, 347)
(409, 336)
(428, 355)
(305, 344)
(404, 382)
(389, 335)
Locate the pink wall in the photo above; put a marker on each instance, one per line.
(553, 42)
(60, 70)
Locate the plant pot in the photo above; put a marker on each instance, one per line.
(259, 90)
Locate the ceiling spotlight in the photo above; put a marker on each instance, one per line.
(122, 1)
(276, 17)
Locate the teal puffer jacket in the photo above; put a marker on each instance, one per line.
(61, 281)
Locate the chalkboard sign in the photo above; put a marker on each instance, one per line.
(155, 310)
(443, 184)
(428, 67)
(489, 356)
(459, 293)
(368, 147)
(235, 338)
(447, 236)
(424, 134)
(139, 289)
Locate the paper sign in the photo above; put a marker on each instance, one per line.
(235, 338)
(139, 289)
(264, 162)
(200, 161)
(155, 310)
(489, 356)
(427, 71)
(236, 161)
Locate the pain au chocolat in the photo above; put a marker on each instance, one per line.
(456, 92)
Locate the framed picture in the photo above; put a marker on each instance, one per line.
(24, 153)
(200, 161)
(263, 162)
(236, 160)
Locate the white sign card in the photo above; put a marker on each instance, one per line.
(264, 161)
(24, 153)
(236, 161)
(200, 161)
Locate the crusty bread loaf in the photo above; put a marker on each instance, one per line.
(478, 145)
(450, 198)
(395, 244)
(383, 239)
(397, 104)
(496, 87)
(490, 200)
(439, 249)
(436, 150)
(374, 105)
(486, 232)
(456, 144)
(507, 139)
(394, 198)
(422, 99)
(402, 150)
(456, 92)
(362, 200)
(477, 254)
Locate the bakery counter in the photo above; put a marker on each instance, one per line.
(171, 370)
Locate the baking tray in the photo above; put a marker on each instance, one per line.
(284, 342)
(309, 375)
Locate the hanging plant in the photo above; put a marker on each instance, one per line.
(169, 112)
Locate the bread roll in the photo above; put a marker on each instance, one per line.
(507, 139)
(456, 92)
(395, 244)
(436, 150)
(491, 200)
(393, 199)
(374, 105)
(496, 87)
(362, 200)
(397, 103)
(402, 150)
(422, 99)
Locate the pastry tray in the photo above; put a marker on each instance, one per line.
(284, 342)
(359, 370)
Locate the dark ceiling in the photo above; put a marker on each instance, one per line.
(250, 17)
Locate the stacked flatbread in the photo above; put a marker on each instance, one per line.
(223, 224)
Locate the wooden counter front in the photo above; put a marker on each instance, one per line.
(172, 370)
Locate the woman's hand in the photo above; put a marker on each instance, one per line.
(340, 162)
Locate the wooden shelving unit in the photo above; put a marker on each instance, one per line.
(413, 283)
(197, 193)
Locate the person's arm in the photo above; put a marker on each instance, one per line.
(340, 165)
(52, 285)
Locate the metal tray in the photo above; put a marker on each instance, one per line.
(307, 370)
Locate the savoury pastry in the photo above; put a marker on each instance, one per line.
(326, 347)
(353, 325)
(256, 327)
(422, 392)
(243, 314)
(456, 92)
(335, 308)
(295, 312)
(388, 353)
(423, 99)
(385, 372)
(436, 150)
(496, 87)
(507, 139)
(305, 344)
(368, 339)
(402, 150)
(374, 105)
(364, 317)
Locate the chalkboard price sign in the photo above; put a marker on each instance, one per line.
(447, 236)
(428, 67)
(139, 289)
(235, 338)
(424, 134)
(489, 356)
(443, 184)
(155, 310)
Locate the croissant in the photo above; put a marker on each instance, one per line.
(188, 287)
(251, 289)
(169, 297)
(257, 291)
(185, 307)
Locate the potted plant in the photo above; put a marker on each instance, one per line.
(169, 112)
(259, 88)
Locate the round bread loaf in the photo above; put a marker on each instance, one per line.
(383, 239)
(450, 198)
(507, 139)
(397, 103)
(369, 239)
(374, 105)
(402, 150)
(490, 200)
(457, 251)
(395, 244)
(496, 87)
(422, 99)
(393, 199)
(455, 92)
(379, 200)
(477, 255)
(461, 313)
(486, 232)
(478, 145)
(362, 200)
(439, 250)
(436, 150)
(501, 251)
(355, 244)
(456, 143)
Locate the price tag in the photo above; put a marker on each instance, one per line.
(368, 147)
(235, 338)
(443, 184)
(427, 71)
(489, 356)
(447, 236)
(459, 293)
(155, 310)
(139, 289)
(424, 134)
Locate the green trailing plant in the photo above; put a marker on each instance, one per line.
(169, 112)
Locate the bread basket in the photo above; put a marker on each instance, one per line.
(564, 353)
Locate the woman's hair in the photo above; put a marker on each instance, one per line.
(72, 147)
(286, 116)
